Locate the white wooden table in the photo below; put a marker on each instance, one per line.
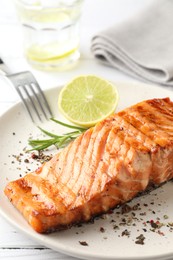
(97, 14)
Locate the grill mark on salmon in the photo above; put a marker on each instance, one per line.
(107, 165)
(154, 119)
(87, 170)
(64, 175)
(80, 158)
(67, 172)
(96, 156)
(53, 176)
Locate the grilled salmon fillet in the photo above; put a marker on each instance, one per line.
(107, 165)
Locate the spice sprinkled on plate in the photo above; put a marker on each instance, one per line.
(83, 243)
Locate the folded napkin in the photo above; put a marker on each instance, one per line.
(141, 46)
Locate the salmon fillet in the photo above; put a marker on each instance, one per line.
(106, 166)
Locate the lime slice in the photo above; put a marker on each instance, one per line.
(87, 100)
(51, 51)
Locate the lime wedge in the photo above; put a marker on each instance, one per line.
(87, 100)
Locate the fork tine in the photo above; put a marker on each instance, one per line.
(25, 103)
(43, 96)
(31, 100)
(41, 93)
(38, 100)
(30, 91)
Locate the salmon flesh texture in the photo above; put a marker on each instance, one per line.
(106, 166)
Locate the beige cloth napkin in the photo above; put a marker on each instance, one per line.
(141, 46)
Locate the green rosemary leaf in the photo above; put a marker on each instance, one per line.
(47, 133)
(59, 141)
(36, 142)
(69, 126)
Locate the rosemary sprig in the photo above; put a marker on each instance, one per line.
(58, 140)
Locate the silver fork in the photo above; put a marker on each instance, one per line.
(30, 93)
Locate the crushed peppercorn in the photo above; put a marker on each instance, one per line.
(83, 243)
(140, 239)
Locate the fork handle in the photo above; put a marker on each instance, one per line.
(4, 70)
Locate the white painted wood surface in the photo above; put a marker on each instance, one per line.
(97, 14)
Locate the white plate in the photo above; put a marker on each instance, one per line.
(103, 239)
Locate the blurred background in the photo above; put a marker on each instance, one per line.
(96, 15)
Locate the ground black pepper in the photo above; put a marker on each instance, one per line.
(83, 243)
(125, 233)
(102, 229)
(140, 239)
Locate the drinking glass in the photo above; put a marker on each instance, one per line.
(50, 32)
